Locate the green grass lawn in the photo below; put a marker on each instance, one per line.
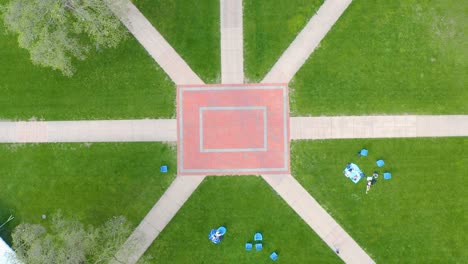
(392, 57)
(419, 216)
(192, 28)
(244, 205)
(269, 28)
(88, 182)
(121, 83)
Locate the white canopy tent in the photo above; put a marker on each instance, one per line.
(7, 255)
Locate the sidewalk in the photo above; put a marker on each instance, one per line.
(318, 219)
(161, 130)
(232, 49)
(165, 130)
(378, 126)
(306, 42)
(155, 44)
(157, 218)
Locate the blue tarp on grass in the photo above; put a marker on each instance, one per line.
(353, 172)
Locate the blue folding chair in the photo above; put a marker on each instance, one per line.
(274, 256)
(387, 175)
(248, 246)
(364, 152)
(258, 246)
(258, 237)
(164, 169)
(380, 163)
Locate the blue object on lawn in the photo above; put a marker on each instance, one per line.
(213, 238)
(380, 163)
(387, 175)
(353, 172)
(274, 256)
(258, 237)
(258, 246)
(364, 152)
(164, 169)
(216, 235)
(222, 230)
(248, 246)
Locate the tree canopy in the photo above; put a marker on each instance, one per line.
(69, 242)
(55, 32)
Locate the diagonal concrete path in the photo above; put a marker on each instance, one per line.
(307, 40)
(154, 43)
(89, 131)
(378, 126)
(232, 52)
(318, 219)
(157, 218)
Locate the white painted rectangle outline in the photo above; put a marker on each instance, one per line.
(233, 87)
(240, 108)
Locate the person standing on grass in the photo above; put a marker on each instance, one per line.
(369, 183)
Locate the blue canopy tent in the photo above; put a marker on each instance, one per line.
(353, 172)
(248, 246)
(387, 175)
(380, 163)
(274, 256)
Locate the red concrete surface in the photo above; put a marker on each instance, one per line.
(233, 130)
(240, 129)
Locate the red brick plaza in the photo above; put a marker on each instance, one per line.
(233, 129)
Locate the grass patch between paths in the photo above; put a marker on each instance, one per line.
(244, 205)
(269, 28)
(120, 83)
(87, 182)
(392, 57)
(419, 216)
(192, 28)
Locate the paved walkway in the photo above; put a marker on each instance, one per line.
(154, 43)
(233, 129)
(157, 218)
(307, 40)
(89, 131)
(317, 218)
(165, 130)
(232, 49)
(378, 126)
(232, 72)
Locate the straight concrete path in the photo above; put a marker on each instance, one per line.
(161, 130)
(165, 130)
(232, 51)
(378, 126)
(318, 219)
(154, 43)
(157, 218)
(306, 42)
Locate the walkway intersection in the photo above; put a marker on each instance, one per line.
(165, 130)
(235, 128)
